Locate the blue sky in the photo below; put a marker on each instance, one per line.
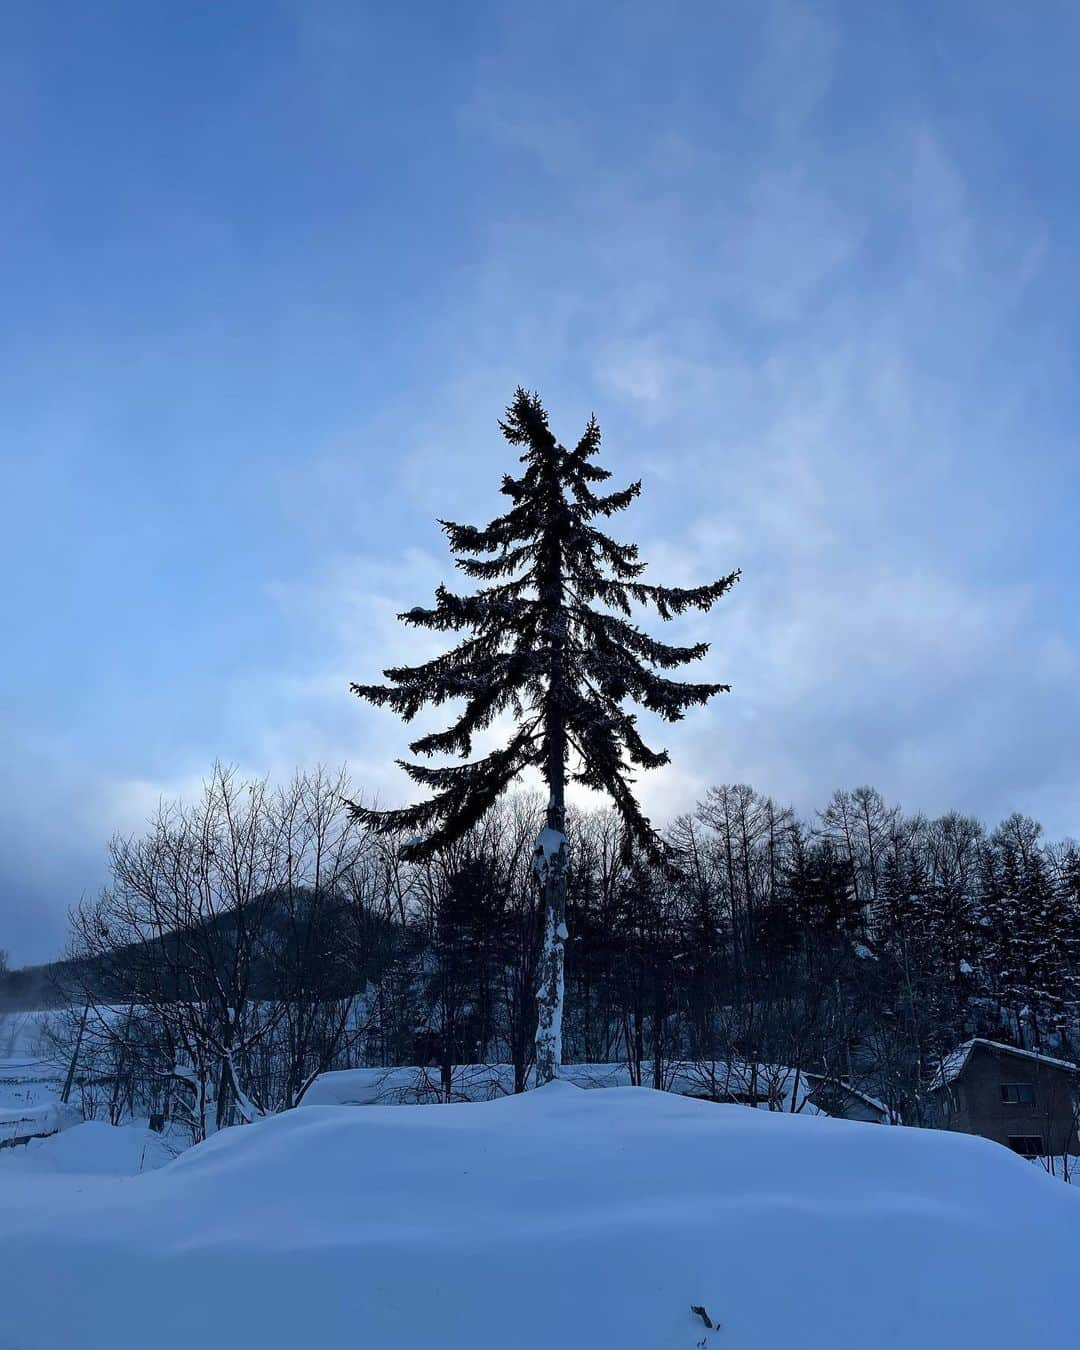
(270, 273)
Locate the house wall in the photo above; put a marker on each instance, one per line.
(973, 1105)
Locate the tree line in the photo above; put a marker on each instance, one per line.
(258, 937)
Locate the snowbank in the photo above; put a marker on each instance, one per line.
(90, 1148)
(19, 1122)
(560, 1218)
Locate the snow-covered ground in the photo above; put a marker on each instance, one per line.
(23, 1034)
(90, 1148)
(563, 1218)
(30, 1080)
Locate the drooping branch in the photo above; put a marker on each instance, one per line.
(551, 642)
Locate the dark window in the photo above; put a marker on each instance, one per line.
(1030, 1145)
(1018, 1094)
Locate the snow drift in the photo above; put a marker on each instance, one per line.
(39, 1118)
(562, 1218)
(90, 1148)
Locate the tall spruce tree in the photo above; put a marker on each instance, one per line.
(551, 641)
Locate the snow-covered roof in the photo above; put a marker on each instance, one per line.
(819, 1079)
(769, 1086)
(954, 1063)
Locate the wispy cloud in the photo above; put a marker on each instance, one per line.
(816, 301)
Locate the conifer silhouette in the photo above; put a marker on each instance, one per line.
(550, 640)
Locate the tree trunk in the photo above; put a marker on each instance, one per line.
(70, 1079)
(550, 858)
(549, 999)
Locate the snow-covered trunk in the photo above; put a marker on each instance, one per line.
(195, 1080)
(549, 862)
(551, 868)
(249, 1110)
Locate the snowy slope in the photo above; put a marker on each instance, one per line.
(563, 1219)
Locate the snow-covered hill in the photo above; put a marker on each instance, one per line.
(564, 1218)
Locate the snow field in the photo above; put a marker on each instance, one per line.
(562, 1218)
